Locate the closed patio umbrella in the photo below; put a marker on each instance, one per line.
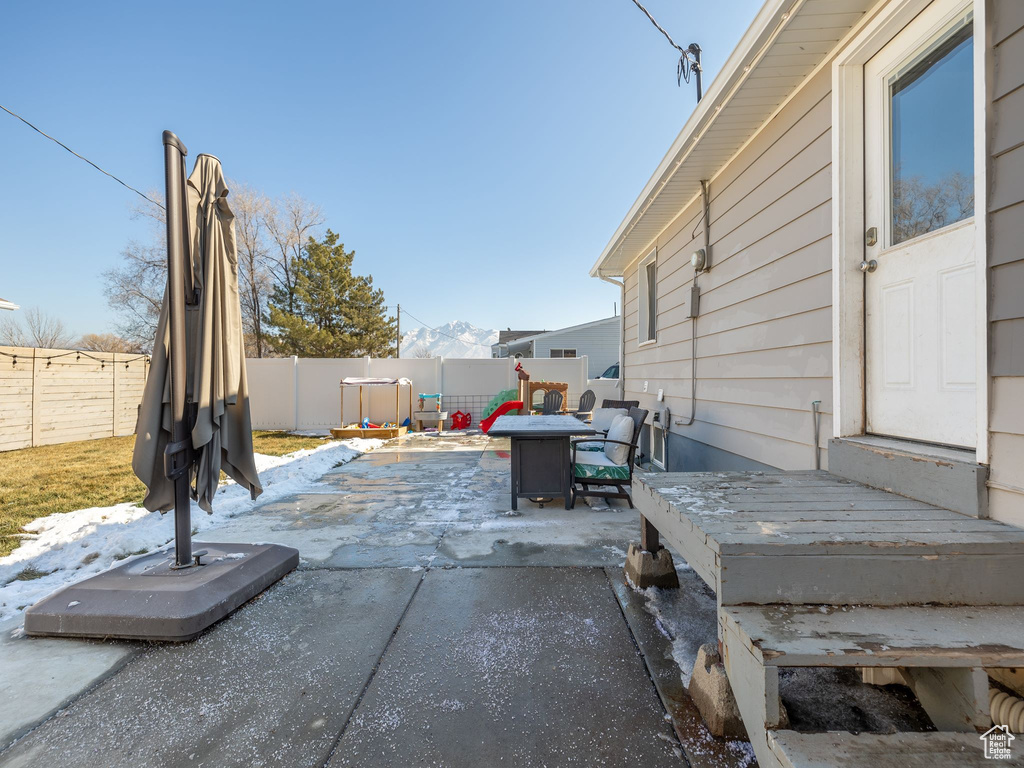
(216, 394)
(193, 423)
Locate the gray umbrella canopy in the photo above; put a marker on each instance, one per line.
(216, 382)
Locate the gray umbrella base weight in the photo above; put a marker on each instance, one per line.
(147, 599)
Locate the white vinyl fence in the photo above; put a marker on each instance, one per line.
(304, 393)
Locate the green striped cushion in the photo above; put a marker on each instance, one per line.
(601, 470)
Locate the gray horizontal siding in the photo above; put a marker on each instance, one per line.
(764, 346)
(1006, 264)
(599, 342)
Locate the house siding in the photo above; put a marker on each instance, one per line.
(599, 341)
(1006, 263)
(764, 346)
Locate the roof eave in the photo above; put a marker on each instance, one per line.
(772, 13)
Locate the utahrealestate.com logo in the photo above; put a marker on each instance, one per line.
(997, 742)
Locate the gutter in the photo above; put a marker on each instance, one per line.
(622, 331)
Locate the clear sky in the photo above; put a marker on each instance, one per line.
(476, 155)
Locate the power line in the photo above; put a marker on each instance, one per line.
(80, 157)
(474, 343)
(689, 58)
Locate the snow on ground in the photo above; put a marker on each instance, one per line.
(687, 620)
(68, 547)
(688, 617)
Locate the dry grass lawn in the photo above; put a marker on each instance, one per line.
(35, 482)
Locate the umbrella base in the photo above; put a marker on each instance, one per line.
(147, 599)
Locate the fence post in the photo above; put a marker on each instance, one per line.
(36, 400)
(295, 392)
(113, 394)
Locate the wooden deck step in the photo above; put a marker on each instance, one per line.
(812, 538)
(871, 750)
(868, 636)
(942, 653)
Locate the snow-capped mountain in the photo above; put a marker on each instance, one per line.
(456, 339)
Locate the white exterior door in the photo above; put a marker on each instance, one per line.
(920, 326)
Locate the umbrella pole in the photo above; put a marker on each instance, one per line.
(178, 457)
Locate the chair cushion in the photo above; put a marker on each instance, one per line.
(600, 467)
(590, 445)
(602, 418)
(622, 430)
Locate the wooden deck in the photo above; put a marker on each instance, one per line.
(814, 570)
(814, 538)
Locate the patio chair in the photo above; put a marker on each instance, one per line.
(552, 403)
(597, 469)
(627, 404)
(586, 405)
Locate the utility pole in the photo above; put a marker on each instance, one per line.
(398, 332)
(696, 68)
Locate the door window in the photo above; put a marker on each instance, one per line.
(931, 109)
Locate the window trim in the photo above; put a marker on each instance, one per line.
(563, 356)
(663, 437)
(644, 295)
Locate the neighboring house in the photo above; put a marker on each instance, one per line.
(837, 230)
(5, 304)
(824, 143)
(504, 337)
(598, 340)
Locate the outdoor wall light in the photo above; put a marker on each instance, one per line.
(699, 259)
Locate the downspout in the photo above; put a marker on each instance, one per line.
(622, 333)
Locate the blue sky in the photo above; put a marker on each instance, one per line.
(477, 156)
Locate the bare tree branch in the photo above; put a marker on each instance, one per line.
(290, 223)
(35, 329)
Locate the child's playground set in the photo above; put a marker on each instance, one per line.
(430, 417)
(519, 400)
(364, 428)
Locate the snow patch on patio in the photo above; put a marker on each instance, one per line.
(71, 546)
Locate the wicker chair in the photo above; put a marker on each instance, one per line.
(582, 485)
(586, 405)
(552, 403)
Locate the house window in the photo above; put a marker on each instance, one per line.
(658, 446)
(648, 280)
(562, 353)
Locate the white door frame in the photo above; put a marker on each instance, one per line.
(848, 222)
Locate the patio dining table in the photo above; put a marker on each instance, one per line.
(540, 454)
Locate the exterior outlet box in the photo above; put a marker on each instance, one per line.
(661, 395)
(645, 386)
(694, 301)
(662, 417)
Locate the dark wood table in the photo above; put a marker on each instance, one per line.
(540, 454)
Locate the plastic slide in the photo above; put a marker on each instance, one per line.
(511, 405)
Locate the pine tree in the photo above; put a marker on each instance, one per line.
(335, 313)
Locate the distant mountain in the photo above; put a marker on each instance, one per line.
(457, 339)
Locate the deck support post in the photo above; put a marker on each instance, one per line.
(956, 699)
(650, 540)
(648, 563)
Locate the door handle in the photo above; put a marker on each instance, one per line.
(868, 266)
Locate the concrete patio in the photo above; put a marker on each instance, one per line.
(426, 625)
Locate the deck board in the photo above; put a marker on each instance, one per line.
(873, 750)
(812, 537)
(868, 636)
